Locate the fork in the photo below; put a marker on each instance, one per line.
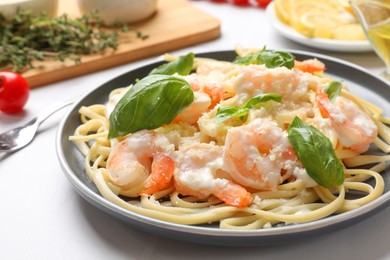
(17, 138)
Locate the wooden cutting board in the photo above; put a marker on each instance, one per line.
(176, 24)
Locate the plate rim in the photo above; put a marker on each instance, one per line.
(317, 43)
(212, 234)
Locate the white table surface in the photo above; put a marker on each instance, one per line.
(42, 217)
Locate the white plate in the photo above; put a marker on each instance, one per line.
(318, 43)
(373, 88)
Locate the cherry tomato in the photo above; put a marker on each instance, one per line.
(263, 3)
(14, 92)
(240, 2)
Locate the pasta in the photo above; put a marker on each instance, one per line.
(228, 157)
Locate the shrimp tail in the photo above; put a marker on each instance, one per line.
(322, 100)
(161, 174)
(215, 93)
(234, 195)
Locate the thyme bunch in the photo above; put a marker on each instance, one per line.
(26, 38)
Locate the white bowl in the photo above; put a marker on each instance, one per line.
(9, 7)
(126, 11)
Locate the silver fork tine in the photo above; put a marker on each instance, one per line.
(19, 137)
(11, 138)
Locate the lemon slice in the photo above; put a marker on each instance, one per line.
(318, 24)
(306, 15)
(346, 6)
(299, 7)
(332, 19)
(282, 10)
(349, 32)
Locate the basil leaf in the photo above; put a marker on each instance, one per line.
(152, 102)
(316, 153)
(183, 66)
(224, 113)
(271, 59)
(262, 98)
(333, 89)
(276, 59)
(253, 58)
(249, 59)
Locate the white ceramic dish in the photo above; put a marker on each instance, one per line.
(318, 43)
(127, 11)
(9, 7)
(370, 87)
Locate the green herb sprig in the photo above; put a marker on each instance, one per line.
(26, 38)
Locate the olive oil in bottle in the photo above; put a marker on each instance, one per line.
(380, 38)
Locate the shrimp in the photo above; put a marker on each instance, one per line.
(198, 173)
(195, 110)
(256, 153)
(207, 94)
(310, 66)
(257, 79)
(218, 68)
(354, 128)
(254, 79)
(143, 160)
